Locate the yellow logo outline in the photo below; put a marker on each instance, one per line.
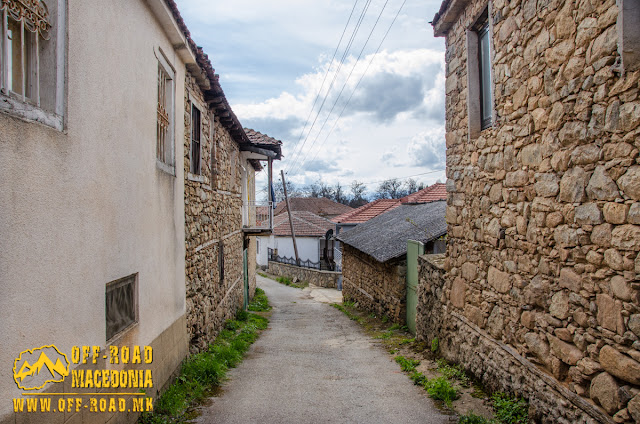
(30, 351)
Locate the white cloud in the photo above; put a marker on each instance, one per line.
(273, 56)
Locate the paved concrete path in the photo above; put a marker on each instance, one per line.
(314, 365)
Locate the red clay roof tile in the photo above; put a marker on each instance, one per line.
(305, 224)
(368, 211)
(437, 191)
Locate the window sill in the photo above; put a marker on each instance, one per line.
(169, 169)
(29, 112)
(195, 177)
(122, 333)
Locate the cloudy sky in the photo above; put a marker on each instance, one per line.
(347, 103)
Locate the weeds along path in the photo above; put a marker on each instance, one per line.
(314, 365)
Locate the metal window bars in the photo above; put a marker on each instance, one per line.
(163, 144)
(24, 22)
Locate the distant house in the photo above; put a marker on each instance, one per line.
(364, 213)
(348, 220)
(311, 238)
(374, 255)
(320, 206)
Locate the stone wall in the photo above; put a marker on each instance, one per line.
(213, 218)
(543, 207)
(376, 287)
(328, 279)
(497, 365)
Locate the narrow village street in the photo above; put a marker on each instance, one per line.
(315, 365)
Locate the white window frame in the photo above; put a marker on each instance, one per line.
(20, 105)
(166, 165)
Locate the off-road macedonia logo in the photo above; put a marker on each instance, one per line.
(36, 367)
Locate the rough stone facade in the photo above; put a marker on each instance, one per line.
(213, 221)
(327, 279)
(544, 207)
(376, 287)
(496, 364)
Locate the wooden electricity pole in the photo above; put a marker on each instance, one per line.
(293, 234)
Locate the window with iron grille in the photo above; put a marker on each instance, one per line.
(121, 305)
(196, 136)
(32, 59)
(164, 140)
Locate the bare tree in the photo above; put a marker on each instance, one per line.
(390, 189)
(339, 194)
(410, 186)
(358, 190)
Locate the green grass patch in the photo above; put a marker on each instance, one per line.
(418, 378)
(441, 389)
(262, 274)
(347, 312)
(453, 372)
(435, 344)
(260, 302)
(287, 282)
(510, 410)
(202, 373)
(407, 364)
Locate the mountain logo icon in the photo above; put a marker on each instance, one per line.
(34, 368)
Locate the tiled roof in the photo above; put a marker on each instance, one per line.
(437, 191)
(317, 205)
(305, 224)
(264, 141)
(368, 211)
(385, 236)
(258, 138)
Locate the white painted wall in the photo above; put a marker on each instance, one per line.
(307, 248)
(86, 206)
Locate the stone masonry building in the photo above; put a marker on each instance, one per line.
(540, 293)
(220, 219)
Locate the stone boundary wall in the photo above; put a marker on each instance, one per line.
(498, 366)
(327, 279)
(379, 288)
(544, 206)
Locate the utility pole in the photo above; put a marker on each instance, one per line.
(293, 234)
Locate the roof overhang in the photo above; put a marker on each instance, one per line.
(254, 152)
(447, 16)
(167, 21)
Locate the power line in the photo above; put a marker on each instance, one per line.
(335, 76)
(402, 178)
(357, 85)
(327, 73)
(348, 77)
